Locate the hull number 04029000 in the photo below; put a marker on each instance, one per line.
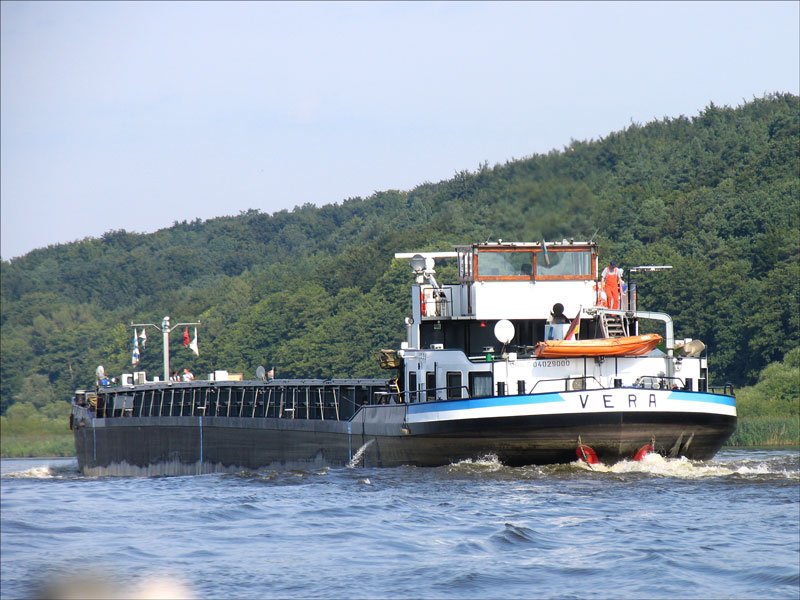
(552, 363)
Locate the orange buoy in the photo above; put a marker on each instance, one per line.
(587, 454)
(643, 451)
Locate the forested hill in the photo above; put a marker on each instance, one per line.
(315, 291)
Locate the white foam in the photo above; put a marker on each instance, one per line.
(46, 471)
(683, 468)
(43, 472)
(490, 462)
(359, 453)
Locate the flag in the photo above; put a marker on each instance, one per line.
(193, 346)
(135, 355)
(143, 337)
(574, 327)
(186, 336)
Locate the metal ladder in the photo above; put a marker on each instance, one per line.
(613, 325)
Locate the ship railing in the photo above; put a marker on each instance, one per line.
(570, 383)
(440, 305)
(652, 382)
(316, 401)
(387, 398)
(726, 389)
(457, 392)
(662, 382)
(433, 394)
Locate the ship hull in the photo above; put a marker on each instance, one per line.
(518, 430)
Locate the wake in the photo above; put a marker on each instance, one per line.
(65, 471)
(682, 468)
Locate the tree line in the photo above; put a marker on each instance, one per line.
(315, 291)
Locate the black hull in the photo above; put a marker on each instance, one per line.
(379, 438)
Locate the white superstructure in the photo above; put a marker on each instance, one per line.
(453, 348)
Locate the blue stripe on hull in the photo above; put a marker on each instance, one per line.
(492, 402)
(703, 397)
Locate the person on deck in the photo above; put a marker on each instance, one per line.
(187, 375)
(611, 279)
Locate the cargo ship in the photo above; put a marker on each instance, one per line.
(486, 369)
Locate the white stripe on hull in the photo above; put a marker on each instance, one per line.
(627, 400)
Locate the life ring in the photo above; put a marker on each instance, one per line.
(587, 454)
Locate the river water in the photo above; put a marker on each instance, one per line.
(727, 528)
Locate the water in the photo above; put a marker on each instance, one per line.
(728, 528)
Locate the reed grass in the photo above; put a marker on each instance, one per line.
(766, 431)
(26, 433)
(30, 446)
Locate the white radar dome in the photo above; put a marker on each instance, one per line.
(504, 331)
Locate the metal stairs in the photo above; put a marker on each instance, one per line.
(613, 326)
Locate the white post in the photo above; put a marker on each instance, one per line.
(165, 331)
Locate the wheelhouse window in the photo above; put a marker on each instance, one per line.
(506, 265)
(516, 264)
(560, 264)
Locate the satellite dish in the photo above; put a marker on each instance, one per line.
(261, 373)
(504, 331)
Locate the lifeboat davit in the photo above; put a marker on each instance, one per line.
(632, 345)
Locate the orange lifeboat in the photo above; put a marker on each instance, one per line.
(632, 345)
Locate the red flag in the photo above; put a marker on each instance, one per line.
(186, 337)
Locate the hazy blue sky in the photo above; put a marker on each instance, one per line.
(136, 115)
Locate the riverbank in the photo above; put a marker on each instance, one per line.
(35, 444)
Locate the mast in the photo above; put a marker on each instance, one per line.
(165, 331)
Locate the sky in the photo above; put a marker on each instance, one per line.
(118, 115)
